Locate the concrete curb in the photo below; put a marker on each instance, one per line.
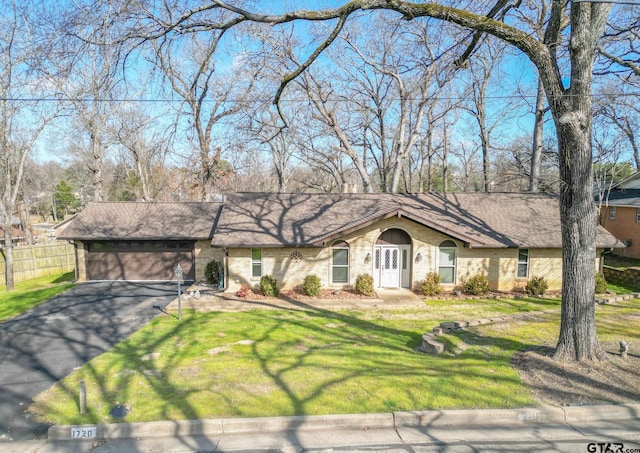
(433, 419)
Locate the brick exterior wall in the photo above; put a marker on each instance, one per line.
(500, 265)
(624, 227)
(203, 254)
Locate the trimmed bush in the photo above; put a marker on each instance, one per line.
(212, 272)
(364, 285)
(269, 286)
(536, 286)
(311, 285)
(601, 284)
(478, 285)
(431, 285)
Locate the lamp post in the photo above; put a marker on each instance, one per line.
(179, 273)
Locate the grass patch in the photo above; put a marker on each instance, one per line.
(30, 293)
(289, 362)
(295, 362)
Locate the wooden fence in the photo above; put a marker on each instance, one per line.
(32, 261)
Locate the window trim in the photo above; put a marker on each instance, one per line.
(526, 263)
(448, 245)
(340, 245)
(255, 262)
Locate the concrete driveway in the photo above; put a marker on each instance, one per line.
(45, 344)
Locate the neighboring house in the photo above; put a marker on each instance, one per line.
(620, 213)
(17, 236)
(396, 238)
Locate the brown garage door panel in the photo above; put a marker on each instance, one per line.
(139, 265)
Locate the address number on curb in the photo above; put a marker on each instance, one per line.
(84, 433)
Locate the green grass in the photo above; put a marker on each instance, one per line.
(620, 262)
(31, 293)
(295, 362)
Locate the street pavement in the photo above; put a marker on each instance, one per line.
(45, 344)
(608, 428)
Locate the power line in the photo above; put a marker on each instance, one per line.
(266, 100)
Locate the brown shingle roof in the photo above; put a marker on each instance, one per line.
(479, 219)
(275, 220)
(143, 221)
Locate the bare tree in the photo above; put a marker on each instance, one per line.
(210, 93)
(570, 106)
(143, 148)
(21, 120)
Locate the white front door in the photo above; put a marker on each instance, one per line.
(389, 267)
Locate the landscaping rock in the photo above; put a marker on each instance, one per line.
(430, 345)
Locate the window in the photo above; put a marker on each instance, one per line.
(256, 262)
(340, 263)
(637, 214)
(447, 262)
(612, 213)
(523, 263)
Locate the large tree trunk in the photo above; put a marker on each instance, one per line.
(578, 339)
(573, 115)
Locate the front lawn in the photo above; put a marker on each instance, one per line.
(31, 293)
(295, 362)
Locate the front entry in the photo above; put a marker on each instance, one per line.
(391, 265)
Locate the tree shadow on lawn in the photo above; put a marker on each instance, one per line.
(560, 383)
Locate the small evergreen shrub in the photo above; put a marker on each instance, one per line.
(536, 286)
(478, 285)
(311, 285)
(431, 285)
(364, 285)
(601, 284)
(212, 272)
(269, 286)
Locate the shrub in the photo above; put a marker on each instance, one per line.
(212, 272)
(269, 286)
(431, 285)
(601, 284)
(364, 285)
(311, 285)
(243, 291)
(478, 285)
(537, 286)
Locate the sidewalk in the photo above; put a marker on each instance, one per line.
(542, 429)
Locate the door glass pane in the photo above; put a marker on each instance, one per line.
(377, 265)
(404, 260)
(394, 264)
(387, 259)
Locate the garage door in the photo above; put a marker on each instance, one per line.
(139, 260)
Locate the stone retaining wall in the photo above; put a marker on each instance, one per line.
(629, 277)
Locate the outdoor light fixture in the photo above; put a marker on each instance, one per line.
(179, 273)
(419, 257)
(367, 258)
